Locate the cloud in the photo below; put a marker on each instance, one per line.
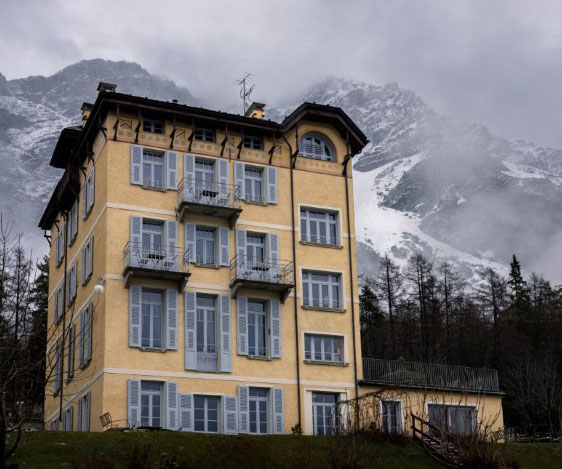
(494, 62)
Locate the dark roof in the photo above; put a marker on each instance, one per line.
(75, 142)
(68, 139)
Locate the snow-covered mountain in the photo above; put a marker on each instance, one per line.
(451, 190)
(424, 182)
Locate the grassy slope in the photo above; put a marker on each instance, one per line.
(53, 449)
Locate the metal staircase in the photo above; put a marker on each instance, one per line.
(435, 442)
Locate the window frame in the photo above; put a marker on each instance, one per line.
(201, 134)
(384, 416)
(249, 196)
(214, 230)
(306, 221)
(308, 284)
(253, 142)
(324, 141)
(310, 352)
(257, 400)
(325, 406)
(206, 410)
(202, 354)
(150, 123)
(153, 153)
(257, 330)
(151, 319)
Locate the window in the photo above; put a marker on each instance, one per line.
(59, 305)
(206, 415)
(87, 260)
(317, 147)
(456, 419)
(71, 284)
(70, 356)
(206, 333)
(322, 290)
(60, 247)
(254, 142)
(153, 169)
(153, 125)
(151, 404)
(152, 240)
(204, 135)
(86, 335)
(204, 174)
(205, 246)
(323, 348)
(258, 400)
(88, 192)
(73, 223)
(319, 227)
(83, 423)
(58, 366)
(152, 323)
(324, 413)
(391, 417)
(257, 329)
(255, 250)
(253, 185)
(67, 419)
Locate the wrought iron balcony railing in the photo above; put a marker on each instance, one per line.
(428, 375)
(265, 270)
(209, 193)
(157, 258)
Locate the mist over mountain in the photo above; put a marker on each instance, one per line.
(425, 182)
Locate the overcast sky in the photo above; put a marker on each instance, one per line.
(493, 62)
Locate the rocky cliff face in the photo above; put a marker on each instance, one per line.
(451, 190)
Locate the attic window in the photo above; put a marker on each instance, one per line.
(205, 135)
(317, 147)
(153, 125)
(254, 142)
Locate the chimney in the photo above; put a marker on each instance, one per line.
(109, 87)
(256, 110)
(86, 109)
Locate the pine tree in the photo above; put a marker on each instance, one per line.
(371, 320)
(519, 296)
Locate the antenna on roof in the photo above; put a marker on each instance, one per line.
(245, 90)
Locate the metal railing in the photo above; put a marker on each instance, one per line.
(207, 361)
(266, 270)
(156, 257)
(398, 372)
(209, 193)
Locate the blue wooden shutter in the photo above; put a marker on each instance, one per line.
(136, 164)
(135, 241)
(223, 179)
(171, 405)
(271, 185)
(240, 252)
(225, 334)
(73, 222)
(243, 409)
(88, 329)
(188, 173)
(85, 199)
(90, 263)
(171, 256)
(230, 415)
(91, 188)
(239, 179)
(190, 240)
(224, 240)
(82, 337)
(242, 326)
(134, 315)
(186, 412)
(172, 318)
(84, 264)
(278, 411)
(275, 327)
(79, 418)
(190, 352)
(172, 170)
(273, 241)
(86, 412)
(70, 364)
(133, 402)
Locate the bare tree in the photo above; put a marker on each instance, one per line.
(449, 286)
(388, 285)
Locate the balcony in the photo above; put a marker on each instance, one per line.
(156, 262)
(430, 376)
(209, 198)
(264, 274)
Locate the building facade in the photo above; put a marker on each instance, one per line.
(202, 269)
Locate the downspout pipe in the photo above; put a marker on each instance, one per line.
(65, 280)
(350, 254)
(295, 280)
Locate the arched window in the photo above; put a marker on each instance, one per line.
(316, 146)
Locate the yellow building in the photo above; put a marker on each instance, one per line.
(211, 280)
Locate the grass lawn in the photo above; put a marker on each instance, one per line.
(190, 450)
